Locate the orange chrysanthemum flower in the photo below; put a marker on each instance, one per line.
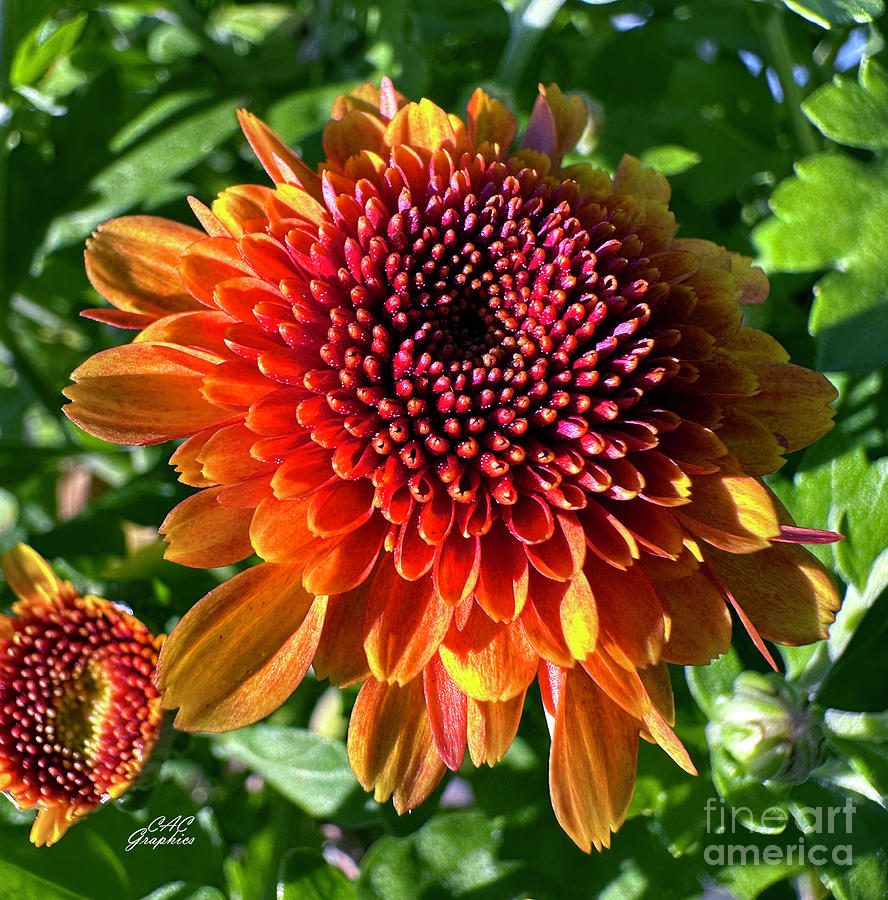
(79, 711)
(484, 418)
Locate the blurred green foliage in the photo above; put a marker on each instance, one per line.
(767, 124)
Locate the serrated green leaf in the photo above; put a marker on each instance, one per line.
(306, 875)
(827, 13)
(851, 112)
(310, 770)
(708, 683)
(47, 43)
(831, 215)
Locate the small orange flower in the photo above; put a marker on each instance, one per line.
(79, 711)
(484, 418)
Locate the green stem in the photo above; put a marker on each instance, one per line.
(780, 55)
(529, 23)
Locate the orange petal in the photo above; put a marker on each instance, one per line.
(561, 557)
(267, 688)
(203, 330)
(281, 163)
(133, 263)
(625, 687)
(390, 744)
(446, 705)
(787, 594)
(241, 208)
(343, 566)
(225, 455)
(356, 131)
(491, 727)
(487, 659)
(489, 120)
(404, 623)
(579, 617)
(185, 460)
(457, 564)
(629, 610)
(203, 534)
(29, 576)
(340, 507)
(730, 510)
(142, 394)
(422, 126)
(592, 762)
(51, 824)
(340, 652)
(279, 532)
(242, 648)
(541, 619)
(208, 263)
(701, 621)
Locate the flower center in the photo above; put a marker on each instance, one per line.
(491, 322)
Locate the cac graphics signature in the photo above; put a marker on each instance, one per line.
(162, 831)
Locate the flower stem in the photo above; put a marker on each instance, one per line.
(529, 22)
(777, 44)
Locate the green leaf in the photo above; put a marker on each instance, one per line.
(851, 112)
(855, 607)
(709, 683)
(310, 770)
(452, 855)
(306, 875)
(146, 172)
(827, 13)
(47, 43)
(24, 885)
(670, 159)
(831, 215)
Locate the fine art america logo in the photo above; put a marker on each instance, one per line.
(161, 832)
(810, 849)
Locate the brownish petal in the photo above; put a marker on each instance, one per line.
(785, 591)
(390, 744)
(730, 510)
(489, 121)
(340, 652)
(629, 610)
(701, 621)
